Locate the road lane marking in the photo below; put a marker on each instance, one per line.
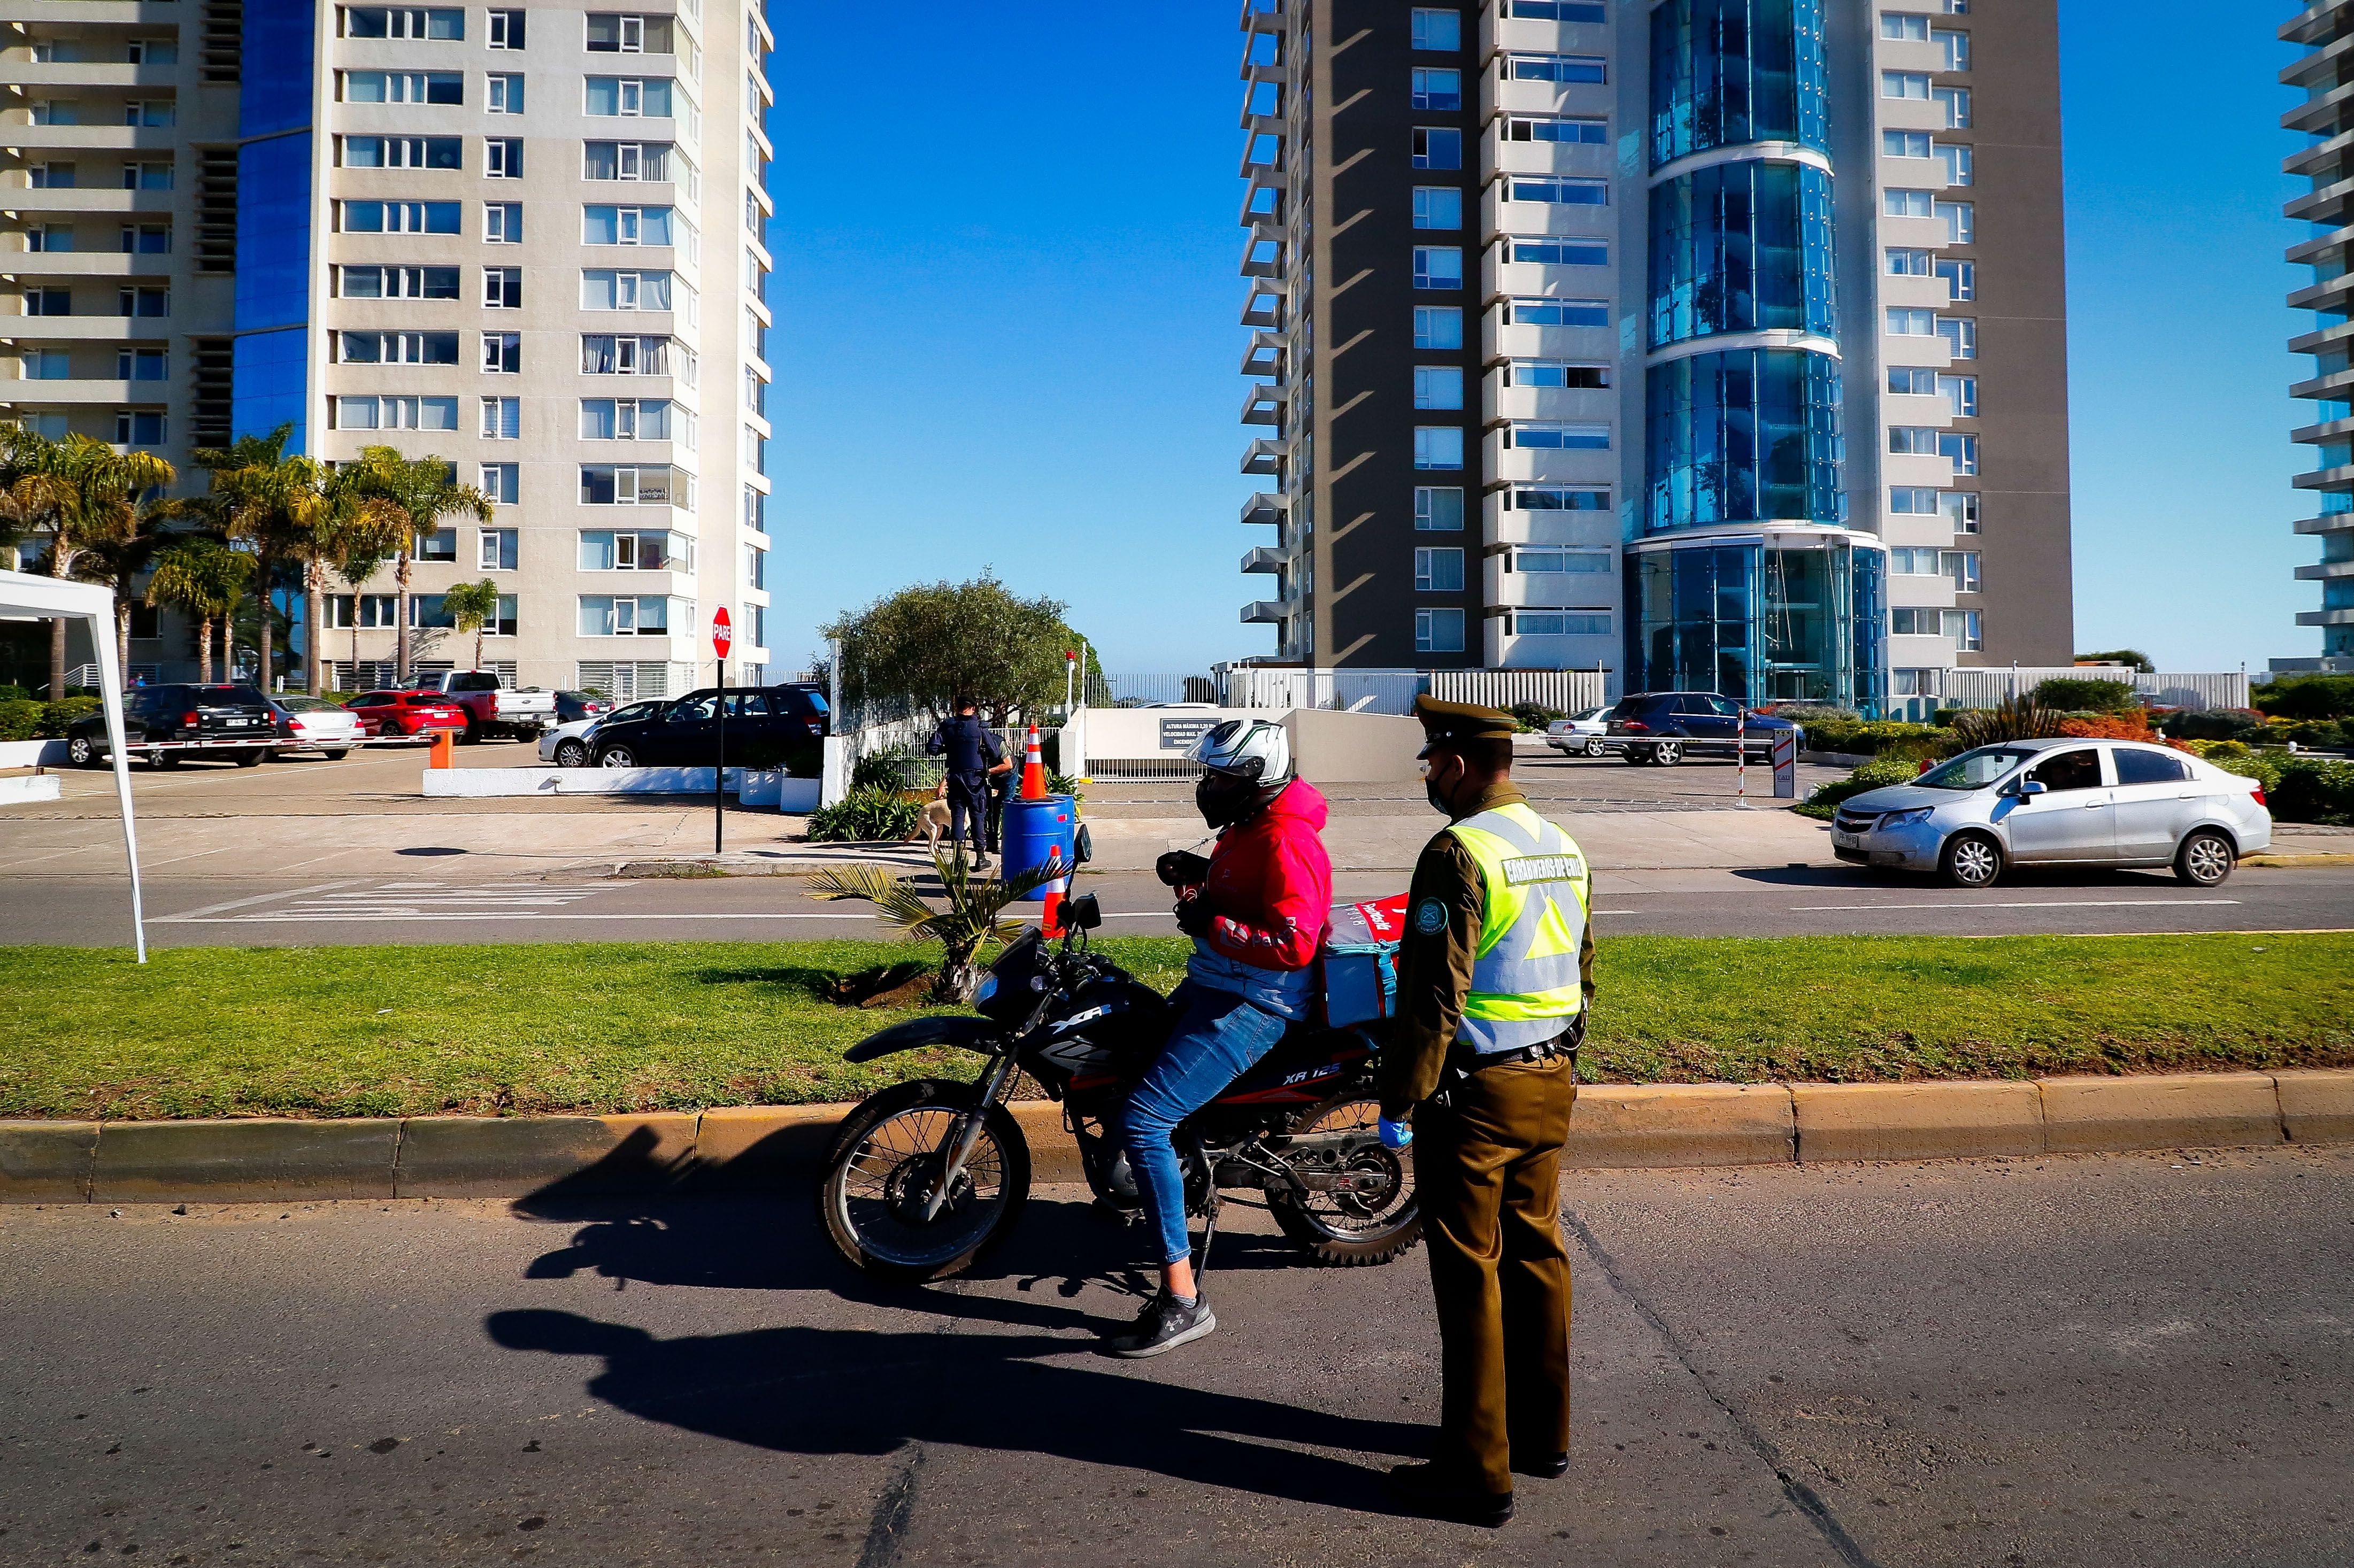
(459, 917)
(2039, 904)
(246, 903)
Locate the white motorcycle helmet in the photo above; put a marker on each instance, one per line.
(1246, 763)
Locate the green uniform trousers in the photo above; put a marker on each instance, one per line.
(1488, 1165)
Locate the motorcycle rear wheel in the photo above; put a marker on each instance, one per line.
(1345, 1230)
(877, 1175)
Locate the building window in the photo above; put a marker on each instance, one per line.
(1896, 202)
(1904, 563)
(1551, 252)
(1560, 623)
(398, 217)
(396, 347)
(1559, 191)
(1906, 322)
(137, 302)
(1558, 438)
(1915, 683)
(1435, 147)
(1904, 27)
(1904, 144)
(1961, 278)
(1558, 10)
(503, 419)
(628, 97)
(1555, 498)
(625, 419)
(1955, 103)
(624, 615)
(145, 176)
(47, 364)
(1583, 562)
(1557, 128)
(502, 483)
(1556, 313)
(1555, 372)
(611, 33)
(1437, 31)
(603, 289)
(1437, 570)
(143, 364)
(1955, 46)
(1904, 261)
(606, 485)
(627, 550)
(604, 355)
(399, 152)
(1439, 446)
(503, 158)
(1960, 218)
(1913, 500)
(1911, 84)
(625, 161)
(1964, 627)
(401, 86)
(396, 282)
(1437, 207)
(1439, 632)
(506, 29)
(439, 546)
(1961, 394)
(398, 22)
(1557, 68)
(136, 428)
(1437, 509)
(1438, 327)
(1960, 509)
(504, 94)
(1960, 568)
(1439, 387)
(503, 288)
(1912, 440)
(1438, 267)
(503, 223)
(1961, 336)
(1438, 88)
(1960, 164)
(393, 413)
(1961, 450)
(1912, 381)
(494, 550)
(625, 226)
(502, 353)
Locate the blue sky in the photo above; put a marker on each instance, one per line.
(1006, 339)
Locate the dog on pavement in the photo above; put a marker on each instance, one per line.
(934, 820)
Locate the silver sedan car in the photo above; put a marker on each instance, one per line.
(2065, 802)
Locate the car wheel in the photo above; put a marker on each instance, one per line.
(335, 755)
(1971, 859)
(2205, 858)
(1668, 752)
(164, 759)
(571, 754)
(1594, 748)
(471, 735)
(250, 757)
(82, 752)
(616, 756)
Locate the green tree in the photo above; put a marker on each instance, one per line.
(473, 607)
(259, 497)
(2132, 656)
(203, 580)
(359, 530)
(93, 494)
(971, 916)
(116, 563)
(937, 644)
(425, 490)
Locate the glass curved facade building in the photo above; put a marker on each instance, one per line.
(1743, 579)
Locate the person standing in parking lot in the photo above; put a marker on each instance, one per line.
(972, 753)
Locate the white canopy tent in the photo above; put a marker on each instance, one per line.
(23, 597)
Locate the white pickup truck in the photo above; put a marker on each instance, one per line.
(491, 709)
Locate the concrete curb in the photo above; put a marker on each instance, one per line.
(1615, 1126)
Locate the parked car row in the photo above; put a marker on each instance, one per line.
(1663, 728)
(236, 722)
(684, 732)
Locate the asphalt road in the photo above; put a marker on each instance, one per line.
(440, 904)
(2070, 1361)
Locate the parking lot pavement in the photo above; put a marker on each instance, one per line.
(2046, 1363)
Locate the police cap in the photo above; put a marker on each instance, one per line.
(1444, 724)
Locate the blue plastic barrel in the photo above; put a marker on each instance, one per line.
(1038, 833)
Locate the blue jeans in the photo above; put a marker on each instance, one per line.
(1217, 1038)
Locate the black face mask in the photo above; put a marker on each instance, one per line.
(1223, 799)
(1435, 796)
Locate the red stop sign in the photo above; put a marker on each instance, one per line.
(723, 631)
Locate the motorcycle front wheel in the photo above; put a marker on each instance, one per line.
(884, 1165)
(1374, 1217)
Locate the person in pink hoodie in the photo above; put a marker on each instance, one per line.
(1256, 911)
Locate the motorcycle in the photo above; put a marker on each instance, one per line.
(925, 1177)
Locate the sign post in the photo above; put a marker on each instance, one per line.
(722, 637)
(1785, 765)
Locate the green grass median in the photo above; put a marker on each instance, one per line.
(407, 1031)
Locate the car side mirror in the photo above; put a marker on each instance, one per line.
(2030, 787)
(1084, 912)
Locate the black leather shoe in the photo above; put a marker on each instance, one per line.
(1428, 1489)
(1543, 1467)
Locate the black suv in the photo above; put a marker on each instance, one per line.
(223, 720)
(764, 722)
(1669, 725)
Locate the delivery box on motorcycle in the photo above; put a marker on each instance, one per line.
(1356, 965)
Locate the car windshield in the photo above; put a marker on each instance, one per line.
(230, 696)
(635, 712)
(306, 704)
(1973, 770)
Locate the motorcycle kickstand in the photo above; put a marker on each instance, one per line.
(1209, 1235)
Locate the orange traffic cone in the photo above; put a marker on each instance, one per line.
(1034, 770)
(1050, 917)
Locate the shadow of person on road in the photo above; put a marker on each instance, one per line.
(835, 1391)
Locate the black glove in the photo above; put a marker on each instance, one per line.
(1180, 868)
(1194, 918)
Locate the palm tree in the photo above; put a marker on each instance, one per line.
(93, 494)
(473, 607)
(970, 919)
(255, 498)
(202, 578)
(359, 532)
(116, 562)
(425, 490)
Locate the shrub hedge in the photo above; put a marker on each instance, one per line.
(870, 815)
(2308, 697)
(24, 719)
(2299, 788)
(2081, 695)
(1877, 774)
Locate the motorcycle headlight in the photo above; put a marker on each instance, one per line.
(1906, 819)
(987, 989)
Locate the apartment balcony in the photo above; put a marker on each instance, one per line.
(2321, 116)
(1263, 612)
(1263, 156)
(1500, 341)
(1922, 233)
(1263, 200)
(1263, 124)
(80, 14)
(1920, 592)
(2320, 64)
(1266, 508)
(2315, 21)
(1519, 35)
(1499, 156)
(1596, 99)
(2330, 479)
(2328, 205)
(1547, 465)
(1542, 279)
(1508, 649)
(85, 329)
(2320, 157)
(1910, 408)
(2318, 246)
(1551, 590)
(1263, 406)
(2314, 342)
(1263, 306)
(1501, 524)
(1499, 217)
(1905, 54)
(29, 201)
(39, 78)
(1912, 652)
(2328, 294)
(2329, 523)
(1263, 253)
(2326, 571)
(1912, 174)
(1930, 293)
(1931, 350)
(1264, 559)
(2338, 384)
(1266, 357)
(48, 264)
(1916, 468)
(1908, 114)
(1581, 404)
(24, 392)
(160, 140)
(2307, 617)
(1264, 457)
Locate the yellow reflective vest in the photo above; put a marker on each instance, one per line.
(1526, 986)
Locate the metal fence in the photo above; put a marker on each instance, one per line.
(1564, 691)
(1986, 688)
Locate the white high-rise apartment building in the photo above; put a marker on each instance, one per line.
(526, 240)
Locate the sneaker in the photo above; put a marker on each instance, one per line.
(1164, 1324)
(1432, 1491)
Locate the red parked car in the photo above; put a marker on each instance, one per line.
(419, 714)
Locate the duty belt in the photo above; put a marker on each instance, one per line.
(1469, 1061)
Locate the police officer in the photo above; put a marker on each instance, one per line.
(972, 751)
(1495, 971)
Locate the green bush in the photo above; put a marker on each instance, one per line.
(896, 770)
(1877, 774)
(14, 695)
(1861, 737)
(2217, 751)
(56, 715)
(20, 719)
(864, 816)
(2308, 697)
(2299, 788)
(2213, 724)
(1536, 716)
(2079, 695)
(2328, 735)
